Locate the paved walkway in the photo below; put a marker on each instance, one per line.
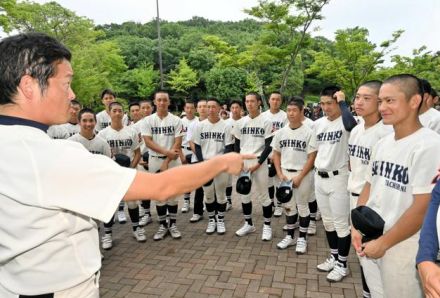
(200, 265)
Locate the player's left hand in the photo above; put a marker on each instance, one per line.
(254, 168)
(296, 181)
(339, 96)
(374, 249)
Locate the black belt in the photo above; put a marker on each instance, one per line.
(161, 157)
(292, 170)
(326, 174)
(355, 194)
(50, 295)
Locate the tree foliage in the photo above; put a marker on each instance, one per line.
(183, 78)
(352, 59)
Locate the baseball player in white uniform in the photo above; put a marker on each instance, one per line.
(253, 135)
(87, 137)
(189, 118)
(212, 137)
(403, 166)
(162, 133)
(122, 140)
(61, 258)
(202, 110)
(146, 109)
(362, 139)
(428, 116)
(331, 177)
(103, 118)
(236, 108)
(293, 156)
(313, 205)
(279, 119)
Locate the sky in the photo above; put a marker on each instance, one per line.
(419, 19)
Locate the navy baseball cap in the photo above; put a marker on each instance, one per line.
(244, 183)
(368, 222)
(284, 191)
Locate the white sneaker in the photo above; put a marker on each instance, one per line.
(145, 220)
(286, 242)
(185, 207)
(311, 230)
(161, 233)
(267, 233)
(175, 233)
(228, 206)
(211, 227)
(141, 211)
(245, 229)
(196, 218)
(328, 265)
(338, 273)
(301, 246)
(122, 219)
(139, 234)
(278, 211)
(318, 215)
(295, 226)
(221, 229)
(107, 241)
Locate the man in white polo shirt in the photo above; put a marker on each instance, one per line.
(59, 257)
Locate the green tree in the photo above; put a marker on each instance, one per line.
(183, 78)
(139, 82)
(423, 64)
(50, 18)
(226, 83)
(137, 51)
(96, 67)
(285, 33)
(353, 59)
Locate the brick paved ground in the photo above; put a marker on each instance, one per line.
(200, 265)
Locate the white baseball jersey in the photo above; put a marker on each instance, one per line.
(212, 137)
(294, 145)
(58, 132)
(185, 124)
(431, 119)
(162, 131)
(49, 191)
(124, 141)
(360, 146)
(309, 122)
(231, 122)
(97, 145)
(332, 144)
(71, 128)
(400, 169)
(252, 134)
(279, 120)
(103, 120)
(138, 128)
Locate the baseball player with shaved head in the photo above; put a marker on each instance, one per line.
(236, 108)
(253, 135)
(61, 258)
(401, 176)
(162, 133)
(279, 119)
(294, 155)
(213, 137)
(122, 140)
(360, 148)
(331, 163)
(189, 118)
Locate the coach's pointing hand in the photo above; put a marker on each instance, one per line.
(234, 162)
